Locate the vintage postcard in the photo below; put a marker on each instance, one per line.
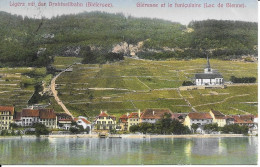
(128, 82)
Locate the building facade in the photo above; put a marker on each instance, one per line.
(28, 117)
(218, 118)
(198, 118)
(105, 121)
(64, 121)
(123, 122)
(48, 118)
(153, 115)
(6, 117)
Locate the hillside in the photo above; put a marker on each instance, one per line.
(129, 85)
(21, 38)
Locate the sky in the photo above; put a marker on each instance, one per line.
(128, 7)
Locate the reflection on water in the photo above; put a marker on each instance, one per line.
(129, 151)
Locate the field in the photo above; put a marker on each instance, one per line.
(17, 85)
(132, 84)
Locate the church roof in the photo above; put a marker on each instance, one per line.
(208, 75)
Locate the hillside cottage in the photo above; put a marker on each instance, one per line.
(6, 117)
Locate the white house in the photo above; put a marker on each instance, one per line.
(83, 121)
(30, 116)
(209, 77)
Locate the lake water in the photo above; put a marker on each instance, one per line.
(240, 150)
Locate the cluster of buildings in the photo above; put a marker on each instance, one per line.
(27, 117)
(188, 119)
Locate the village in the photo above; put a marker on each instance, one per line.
(140, 121)
(105, 123)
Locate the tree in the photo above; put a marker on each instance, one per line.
(211, 127)
(74, 130)
(87, 129)
(187, 83)
(40, 129)
(194, 127)
(13, 126)
(134, 128)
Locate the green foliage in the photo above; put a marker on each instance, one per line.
(4, 132)
(235, 128)
(36, 98)
(194, 127)
(243, 79)
(134, 128)
(211, 128)
(164, 126)
(187, 83)
(74, 130)
(40, 129)
(21, 38)
(13, 126)
(98, 57)
(225, 37)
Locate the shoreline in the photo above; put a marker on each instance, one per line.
(129, 136)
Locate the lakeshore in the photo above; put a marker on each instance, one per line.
(130, 136)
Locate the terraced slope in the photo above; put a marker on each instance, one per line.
(138, 84)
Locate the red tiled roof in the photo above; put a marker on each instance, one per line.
(133, 115)
(123, 117)
(47, 114)
(243, 119)
(103, 114)
(177, 115)
(84, 120)
(7, 108)
(123, 121)
(154, 113)
(199, 115)
(228, 117)
(218, 114)
(30, 113)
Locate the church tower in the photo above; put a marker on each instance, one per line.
(208, 68)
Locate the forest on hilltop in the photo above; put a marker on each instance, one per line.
(21, 38)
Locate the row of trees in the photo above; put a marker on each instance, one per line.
(166, 125)
(232, 128)
(243, 79)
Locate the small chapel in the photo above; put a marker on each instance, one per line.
(209, 77)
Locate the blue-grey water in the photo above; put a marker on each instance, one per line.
(240, 150)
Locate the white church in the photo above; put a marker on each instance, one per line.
(209, 77)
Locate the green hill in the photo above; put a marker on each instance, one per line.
(21, 38)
